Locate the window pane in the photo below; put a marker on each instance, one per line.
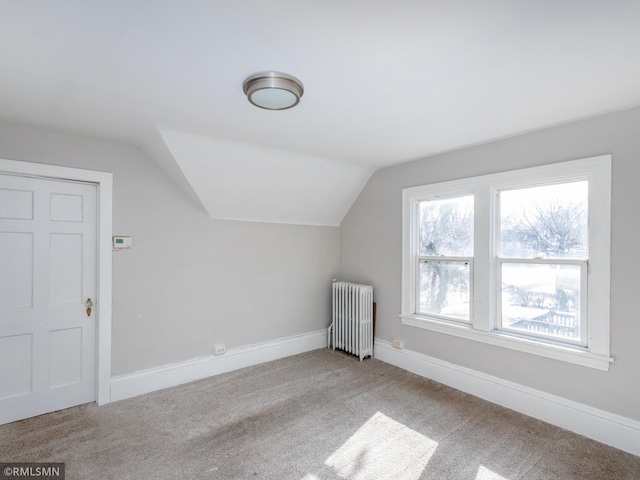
(542, 299)
(446, 227)
(546, 222)
(444, 289)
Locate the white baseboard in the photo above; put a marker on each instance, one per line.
(605, 427)
(146, 381)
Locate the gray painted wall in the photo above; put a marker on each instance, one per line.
(191, 282)
(370, 252)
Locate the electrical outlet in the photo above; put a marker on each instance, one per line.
(397, 343)
(219, 349)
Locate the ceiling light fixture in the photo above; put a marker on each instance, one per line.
(273, 90)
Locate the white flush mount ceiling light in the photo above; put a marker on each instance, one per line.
(273, 90)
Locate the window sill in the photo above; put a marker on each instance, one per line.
(575, 355)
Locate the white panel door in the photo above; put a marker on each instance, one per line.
(47, 274)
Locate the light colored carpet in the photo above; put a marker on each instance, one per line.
(318, 415)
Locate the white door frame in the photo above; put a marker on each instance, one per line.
(104, 183)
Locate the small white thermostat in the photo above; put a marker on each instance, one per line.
(122, 242)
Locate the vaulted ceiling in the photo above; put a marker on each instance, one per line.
(385, 82)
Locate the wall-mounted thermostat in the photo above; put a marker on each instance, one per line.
(122, 242)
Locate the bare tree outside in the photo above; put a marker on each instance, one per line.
(545, 222)
(548, 228)
(446, 230)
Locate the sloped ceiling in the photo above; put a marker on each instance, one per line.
(236, 180)
(385, 82)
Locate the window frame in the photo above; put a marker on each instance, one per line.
(485, 274)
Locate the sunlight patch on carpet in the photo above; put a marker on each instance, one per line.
(383, 449)
(486, 474)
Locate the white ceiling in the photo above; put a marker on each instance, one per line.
(385, 82)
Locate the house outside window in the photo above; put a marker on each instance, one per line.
(518, 259)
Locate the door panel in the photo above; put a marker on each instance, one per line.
(16, 259)
(66, 269)
(47, 272)
(66, 208)
(15, 358)
(16, 204)
(65, 357)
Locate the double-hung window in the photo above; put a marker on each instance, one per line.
(517, 259)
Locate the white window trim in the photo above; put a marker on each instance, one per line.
(483, 328)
